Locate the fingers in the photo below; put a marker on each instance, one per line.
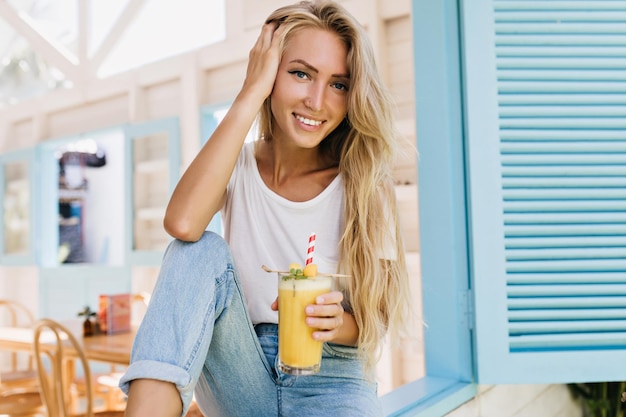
(269, 37)
(263, 61)
(263, 43)
(326, 305)
(327, 328)
(326, 315)
(265, 39)
(325, 323)
(325, 310)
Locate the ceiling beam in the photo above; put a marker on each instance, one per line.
(132, 8)
(56, 55)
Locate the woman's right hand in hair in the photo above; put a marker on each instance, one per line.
(263, 62)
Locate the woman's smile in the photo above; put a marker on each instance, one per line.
(307, 121)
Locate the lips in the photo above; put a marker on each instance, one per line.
(309, 122)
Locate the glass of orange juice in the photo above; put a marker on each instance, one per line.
(298, 352)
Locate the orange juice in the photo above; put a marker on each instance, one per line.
(298, 352)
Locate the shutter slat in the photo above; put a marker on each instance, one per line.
(551, 28)
(561, 99)
(516, 7)
(566, 194)
(590, 122)
(532, 148)
(563, 159)
(563, 182)
(563, 17)
(574, 63)
(613, 170)
(587, 242)
(560, 315)
(564, 277)
(564, 230)
(578, 341)
(583, 290)
(567, 302)
(556, 327)
(554, 51)
(531, 39)
(560, 87)
(570, 265)
(563, 254)
(598, 206)
(561, 111)
(519, 219)
(549, 74)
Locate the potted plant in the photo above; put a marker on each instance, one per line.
(88, 326)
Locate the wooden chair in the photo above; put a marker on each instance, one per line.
(21, 372)
(52, 341)
(19, 385)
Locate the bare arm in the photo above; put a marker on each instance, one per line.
(201, 191)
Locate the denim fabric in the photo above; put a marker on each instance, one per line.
(338, 390)
(197, 334)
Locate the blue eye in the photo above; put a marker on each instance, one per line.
(340, 86)
(299, 74)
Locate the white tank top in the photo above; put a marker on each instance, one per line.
(263, 228)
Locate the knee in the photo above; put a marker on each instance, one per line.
(211, 241)
(210, 245)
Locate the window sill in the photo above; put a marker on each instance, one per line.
(427, 397)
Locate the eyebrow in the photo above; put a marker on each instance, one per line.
(315, 70)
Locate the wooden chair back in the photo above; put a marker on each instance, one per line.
(52, 343)
(15, 314)
(19, 315)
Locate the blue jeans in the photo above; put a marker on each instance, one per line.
(197, 334)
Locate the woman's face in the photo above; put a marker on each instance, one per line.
(310, 94)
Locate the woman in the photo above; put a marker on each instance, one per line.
(322, 163)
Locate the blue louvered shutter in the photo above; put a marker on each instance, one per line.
(546, 136)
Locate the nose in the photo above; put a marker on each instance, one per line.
(315, 98)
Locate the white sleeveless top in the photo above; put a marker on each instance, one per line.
(263, 228)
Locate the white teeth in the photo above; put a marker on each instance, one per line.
(308, 121)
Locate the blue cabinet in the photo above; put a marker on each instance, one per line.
(80, 187)
(152, 171)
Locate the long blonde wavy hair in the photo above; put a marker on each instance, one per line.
(364, 147)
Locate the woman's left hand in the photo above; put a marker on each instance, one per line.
(326, 315)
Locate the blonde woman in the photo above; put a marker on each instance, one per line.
(322, 163)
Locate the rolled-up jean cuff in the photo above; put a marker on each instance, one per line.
(145, 369)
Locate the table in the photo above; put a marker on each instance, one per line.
(111, 348)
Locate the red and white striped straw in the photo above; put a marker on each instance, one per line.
(310, 249)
